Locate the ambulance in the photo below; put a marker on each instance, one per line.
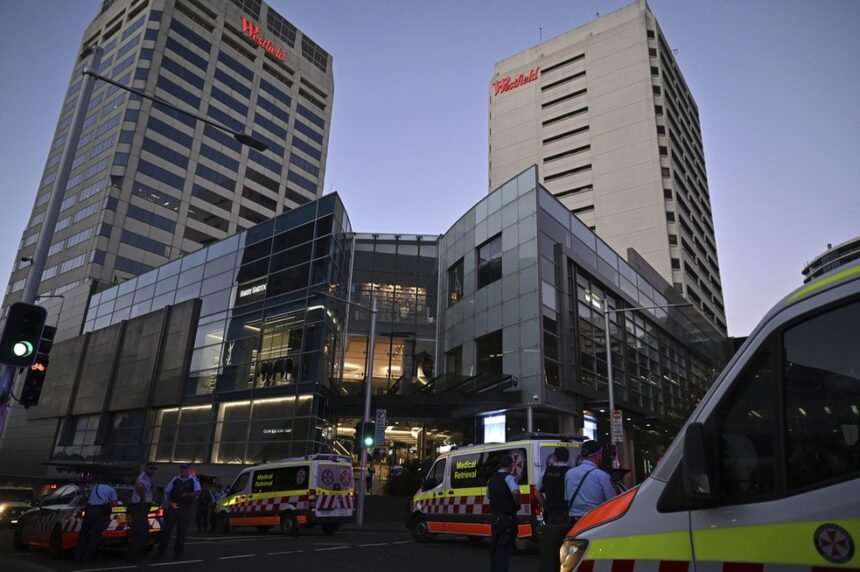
(765, 475)
(302, 491)
(453, 500)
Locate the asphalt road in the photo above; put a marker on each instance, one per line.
(378, 549)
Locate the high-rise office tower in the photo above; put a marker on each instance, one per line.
(605, 112)
(149, 184)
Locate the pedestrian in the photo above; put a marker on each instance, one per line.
(555, 512)
(586, 485)
(504, 496)
(218, 493)
(201, 515)
(138, 511)
(179, 495)
(102, 498)
(369, 478)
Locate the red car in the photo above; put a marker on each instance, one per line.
(55, 522)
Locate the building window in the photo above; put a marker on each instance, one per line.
(673, 239)
(454, 361)
(490, 261)
(661, 130)
(489, 353)
(670, 216)
(658, 109)
(455, 283)
(665, 172)
(676, 264)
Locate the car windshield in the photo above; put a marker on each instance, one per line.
(16, 495)
(124, 495)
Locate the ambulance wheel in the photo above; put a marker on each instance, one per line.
(263, 529)
(330, 528)
(55, 544)
(18, 539)
(289, 524)
(222, 523)
(420, 529)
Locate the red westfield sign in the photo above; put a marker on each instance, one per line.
(508, 83)
(252, 30)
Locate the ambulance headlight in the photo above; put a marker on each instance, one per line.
(571, 553)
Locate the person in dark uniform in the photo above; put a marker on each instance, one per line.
(555, 509)
(504, 495)
(179, 495)
(96, 514)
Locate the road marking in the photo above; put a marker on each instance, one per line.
(284, 552)
(114, 568)
(332, 548)
(402, 542)
(174, 563)
(376, 544)
(237, 556)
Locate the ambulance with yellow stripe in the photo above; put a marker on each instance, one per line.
(302, 491)
(453, 496)
(765, 475)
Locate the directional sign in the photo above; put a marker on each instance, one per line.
(381, 416)
(617, 419)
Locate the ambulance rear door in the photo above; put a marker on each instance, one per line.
(335, 490)
(782, 449)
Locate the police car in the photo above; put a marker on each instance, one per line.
(13, 502)
(766, 473)
(453, 500)
(56, 522)
(310, 490)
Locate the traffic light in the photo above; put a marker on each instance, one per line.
(35, 378)
(22, 334)
(366, 435)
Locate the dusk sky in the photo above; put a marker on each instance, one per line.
(777, 85)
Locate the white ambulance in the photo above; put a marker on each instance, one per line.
(453, 497)
(302, 491)
(765, 476)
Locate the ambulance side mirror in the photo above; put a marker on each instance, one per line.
(698, 477)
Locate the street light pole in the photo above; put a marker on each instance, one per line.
(368, 389)
(608, 342)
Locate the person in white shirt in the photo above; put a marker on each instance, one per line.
(102, 497)
(141, 504)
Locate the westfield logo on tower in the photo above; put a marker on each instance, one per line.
(252, 30)
(508, 83)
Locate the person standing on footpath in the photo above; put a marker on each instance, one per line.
(179, 495)
(555, 511)
(141, 504)
(587, 486)
(102, 498)
(504, 495)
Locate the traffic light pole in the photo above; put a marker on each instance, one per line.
(368, 389)
(43, 244)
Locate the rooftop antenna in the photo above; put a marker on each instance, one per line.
(675, 51)
(540, 34)
(597, 14)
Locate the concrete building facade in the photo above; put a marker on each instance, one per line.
(606, 114)
(148, 184)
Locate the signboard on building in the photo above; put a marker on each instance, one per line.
(617, 419)
(508, 83)
(381, 419)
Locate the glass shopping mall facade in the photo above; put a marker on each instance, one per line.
(246, 351)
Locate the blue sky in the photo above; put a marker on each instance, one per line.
(776, 83)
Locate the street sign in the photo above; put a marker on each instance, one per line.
(617, 419)
(381, 416)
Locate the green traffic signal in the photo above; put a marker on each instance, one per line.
(22, 349)
(368, 440)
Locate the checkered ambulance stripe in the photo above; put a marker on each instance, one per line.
(332, 502)
(475, 504)
(270, 505)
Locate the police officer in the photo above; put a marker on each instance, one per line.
(504, 496)
(587, 486)
(101, 499)
(179, 495)
(141, 503)
(555, 511)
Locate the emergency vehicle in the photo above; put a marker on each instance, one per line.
(765, 475)
(13, 502)
(309, 490)
(453, 500)
(56, 522)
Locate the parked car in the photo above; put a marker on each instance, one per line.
(13, 502)
(56, 522)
